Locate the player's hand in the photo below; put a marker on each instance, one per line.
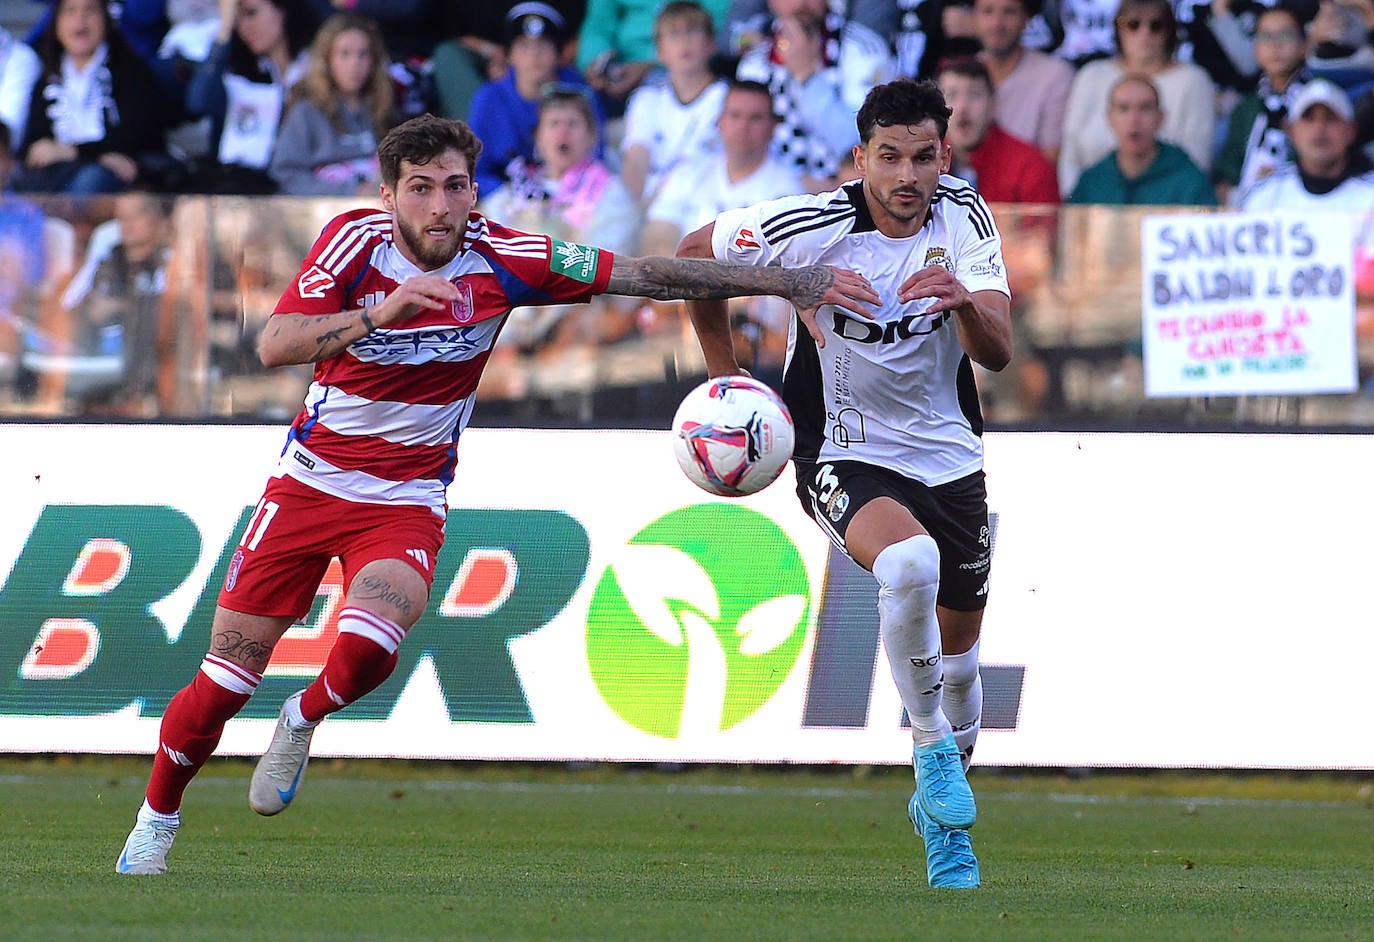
(935, 281)
(416, 293)
(837, 286)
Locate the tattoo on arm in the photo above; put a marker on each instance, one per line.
(367, 321)
(383, 591)
(252, 653)
(698, 279)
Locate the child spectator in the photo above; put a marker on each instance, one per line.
(672, 121)
(506, 112)
(345, 104)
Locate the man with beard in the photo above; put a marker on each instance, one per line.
(398, 310)
(889, 454)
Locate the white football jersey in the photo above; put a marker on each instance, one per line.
(896, 391)
(1283, 189)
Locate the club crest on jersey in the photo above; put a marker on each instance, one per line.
(745, 240)
(463, 309)
(314, 283)
(577, 262)
(936, 255)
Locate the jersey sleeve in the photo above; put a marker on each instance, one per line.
(537, 269)
(739, 236)
(979, 265)
(318, 286)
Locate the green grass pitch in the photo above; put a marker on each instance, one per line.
(405, 851)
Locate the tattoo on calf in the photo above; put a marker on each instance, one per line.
(249, 651)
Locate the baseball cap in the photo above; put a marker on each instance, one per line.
(1321, 92)
(534, 19)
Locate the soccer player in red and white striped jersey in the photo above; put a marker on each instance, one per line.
(398, 310)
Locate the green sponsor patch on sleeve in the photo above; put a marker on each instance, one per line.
(578, 262)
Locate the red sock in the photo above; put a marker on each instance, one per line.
(356, 667)
(191, 728)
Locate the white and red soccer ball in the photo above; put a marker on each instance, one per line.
(732, 435)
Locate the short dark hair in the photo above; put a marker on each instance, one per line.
(903, 101)
(422, 139)
(967, 67)
(749, 85)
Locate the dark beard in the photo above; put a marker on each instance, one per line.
(428, 256)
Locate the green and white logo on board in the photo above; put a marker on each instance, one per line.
(698, 621)
(577, 262)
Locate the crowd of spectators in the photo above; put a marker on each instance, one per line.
(629, 122)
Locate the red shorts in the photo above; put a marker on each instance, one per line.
(296, 531)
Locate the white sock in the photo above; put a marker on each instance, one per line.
(147, 815)
(963, 701)
(908, 576)
(292, 708)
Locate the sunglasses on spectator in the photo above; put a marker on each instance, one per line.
(1278, 36)
(1158, 27)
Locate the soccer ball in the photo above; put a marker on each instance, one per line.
(732, 435)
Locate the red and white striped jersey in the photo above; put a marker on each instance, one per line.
(381, 419)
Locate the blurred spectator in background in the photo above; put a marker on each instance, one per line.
(95, 109)
(1147, 34)
(113, 352)
(23, 268)
(566, 192)
(1338, 43)
(345, 104)
(1088, 30)
(475, 51)
(1328, 172)
(616, 49)
(818, 82)
(744, 173)
(19, 70)
(410, 29)
(506, 112)
(142, 23)
(260, 52)
(1032, 87)
(671, 120)
(750, 22)
(1004, 168)
(1256, 143)
(1143, 169)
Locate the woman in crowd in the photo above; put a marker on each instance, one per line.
(94, 109)
(345, 104)
(1147, 39)
(260, 51)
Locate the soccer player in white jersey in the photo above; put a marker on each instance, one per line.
(889, 453)
(398, 311)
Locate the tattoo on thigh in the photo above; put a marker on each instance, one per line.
(249, 651)
(379, 589)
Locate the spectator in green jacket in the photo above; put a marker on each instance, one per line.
(1143, 170)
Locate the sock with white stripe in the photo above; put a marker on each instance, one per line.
(192, 726)
(362, 658)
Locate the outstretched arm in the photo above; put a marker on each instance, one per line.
(703, 279)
